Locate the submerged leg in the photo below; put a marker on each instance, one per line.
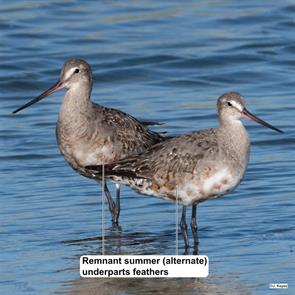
(183, 227)
(117, 205)
(114, 208)
(194, 228)
(110, 202)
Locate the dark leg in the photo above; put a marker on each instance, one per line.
(110, 202)
(183, 227)
(117, 205)
(114, 208)
(194, 228)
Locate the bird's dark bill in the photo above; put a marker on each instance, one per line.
(250, 116)
(57, 86)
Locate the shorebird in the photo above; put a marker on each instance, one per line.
(194, 167)
(90, 134)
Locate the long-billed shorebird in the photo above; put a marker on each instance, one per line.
(194, 167)
(90, 134)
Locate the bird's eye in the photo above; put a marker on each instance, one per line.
(229, 104)
(76, 71)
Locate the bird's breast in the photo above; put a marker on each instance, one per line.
(80, 152)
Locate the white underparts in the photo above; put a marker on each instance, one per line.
(190, 192)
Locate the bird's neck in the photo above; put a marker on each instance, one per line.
(236, 140)
(76, 107)
(76, 100)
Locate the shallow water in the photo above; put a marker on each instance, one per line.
(163, 61)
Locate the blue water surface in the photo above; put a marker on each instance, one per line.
(166, 61)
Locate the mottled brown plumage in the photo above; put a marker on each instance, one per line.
(193, 167)
(90, 134)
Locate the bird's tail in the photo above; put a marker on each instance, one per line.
(151, 123)
(123, 176)
(110, 172)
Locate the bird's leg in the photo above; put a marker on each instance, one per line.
(110, 202)
(194, 228)
(117, 205)
(183, 227)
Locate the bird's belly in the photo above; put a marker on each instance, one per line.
(218, 184)
(188, 189)
(200, 188)
(81, 155)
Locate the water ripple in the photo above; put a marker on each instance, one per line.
(163, 61)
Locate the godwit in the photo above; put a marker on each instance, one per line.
(194, 167)
(90, 134)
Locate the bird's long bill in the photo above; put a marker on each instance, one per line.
(247, 114)
(58, 85)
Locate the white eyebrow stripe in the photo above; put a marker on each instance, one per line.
(236, 105)
(69, 72)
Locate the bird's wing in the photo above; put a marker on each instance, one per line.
(180, 155)
(127, 132)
